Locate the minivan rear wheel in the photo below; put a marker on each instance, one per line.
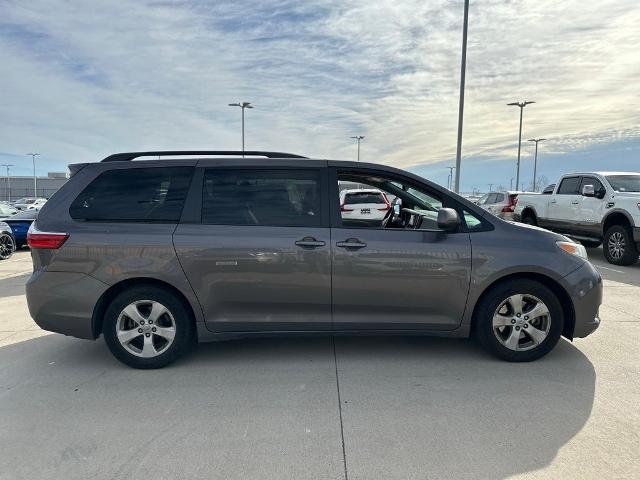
(148, 327)
(519, 321)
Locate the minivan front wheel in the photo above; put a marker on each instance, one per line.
(519, 321)
(147, 327)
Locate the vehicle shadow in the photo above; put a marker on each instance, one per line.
(411, 407)
(444, 408)
(14, 286)
(623, 274)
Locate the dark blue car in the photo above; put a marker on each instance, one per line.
(20, 223)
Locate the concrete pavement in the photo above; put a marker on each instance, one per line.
(409, 407)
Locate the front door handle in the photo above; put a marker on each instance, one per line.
(552, 201)
(575, 202)
(310, 242)
(351, 243)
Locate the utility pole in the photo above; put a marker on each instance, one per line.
(463, 68)
(521, 105)
(35, 179)
(8, 180)
(358, 138)
(535, 160)
(242, 106)
(490, 187)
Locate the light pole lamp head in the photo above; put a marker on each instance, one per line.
(536, 140)
(520, 104)
(358, 137)
(241, 104)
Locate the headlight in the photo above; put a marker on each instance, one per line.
(574, 249)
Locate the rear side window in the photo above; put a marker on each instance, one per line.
(492, 198)
(262, 197)
(569, 186)
(134, 195)
(359, 198)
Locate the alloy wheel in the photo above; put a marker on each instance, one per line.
(7, 246)
(521, 322)
(616, 245)
(145, 328)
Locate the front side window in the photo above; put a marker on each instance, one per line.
(262, 197)
(134, 195)
(407, 206)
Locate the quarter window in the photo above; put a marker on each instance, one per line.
(134, 195)
(262, 197)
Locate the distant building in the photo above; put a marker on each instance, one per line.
(22, 186)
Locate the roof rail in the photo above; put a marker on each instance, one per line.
(127, 156)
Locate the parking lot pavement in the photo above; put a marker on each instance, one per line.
(410, 407)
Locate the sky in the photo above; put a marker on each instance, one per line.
(81, 80)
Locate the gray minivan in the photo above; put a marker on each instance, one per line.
(158, 254)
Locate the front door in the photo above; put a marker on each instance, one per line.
(565, 205)
(398, 275)
(259, 258)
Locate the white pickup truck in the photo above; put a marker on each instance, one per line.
(592, 207)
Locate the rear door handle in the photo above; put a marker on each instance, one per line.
(552, 201)
(310, 242)
(351, 243)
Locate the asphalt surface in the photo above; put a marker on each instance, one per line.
(319, 408)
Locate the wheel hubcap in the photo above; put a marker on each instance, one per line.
(6, 246)
(616, 245)
(521, 322)
(146, 328)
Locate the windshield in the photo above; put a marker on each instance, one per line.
(624, 183)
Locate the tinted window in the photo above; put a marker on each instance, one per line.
(492, 198)
(569, 186)
(136, 194)
(261, 197)
(591, 181)
(367, 197)
(499, 197)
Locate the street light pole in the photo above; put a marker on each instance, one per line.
(242, 106)
(535, 159)
(358, 138)
(463, 68)
(490, 187)
(521, 105)
(450, 177)
(35, 179)
(8, 181)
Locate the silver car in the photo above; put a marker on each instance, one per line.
(155, 255)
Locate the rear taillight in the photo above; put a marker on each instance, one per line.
(345, 209)
(387, 203)
(45, 240)
(513, 201)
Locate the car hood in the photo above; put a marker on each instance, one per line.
(544, 232)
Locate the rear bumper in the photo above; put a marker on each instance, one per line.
(63, 302)
(586, 295)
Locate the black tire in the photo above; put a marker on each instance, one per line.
(182, 317)
(494, 298)
(529, 220)
(591, 243)
(7, 246)
(620, 235)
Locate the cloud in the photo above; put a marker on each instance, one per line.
(84, 79)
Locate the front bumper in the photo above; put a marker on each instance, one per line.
(63, 302)
(585, 289)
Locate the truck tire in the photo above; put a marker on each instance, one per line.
(529, 219)
(619, 247)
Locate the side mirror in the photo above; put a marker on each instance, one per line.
(448, 220)
(588, 191)
(601, 193)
